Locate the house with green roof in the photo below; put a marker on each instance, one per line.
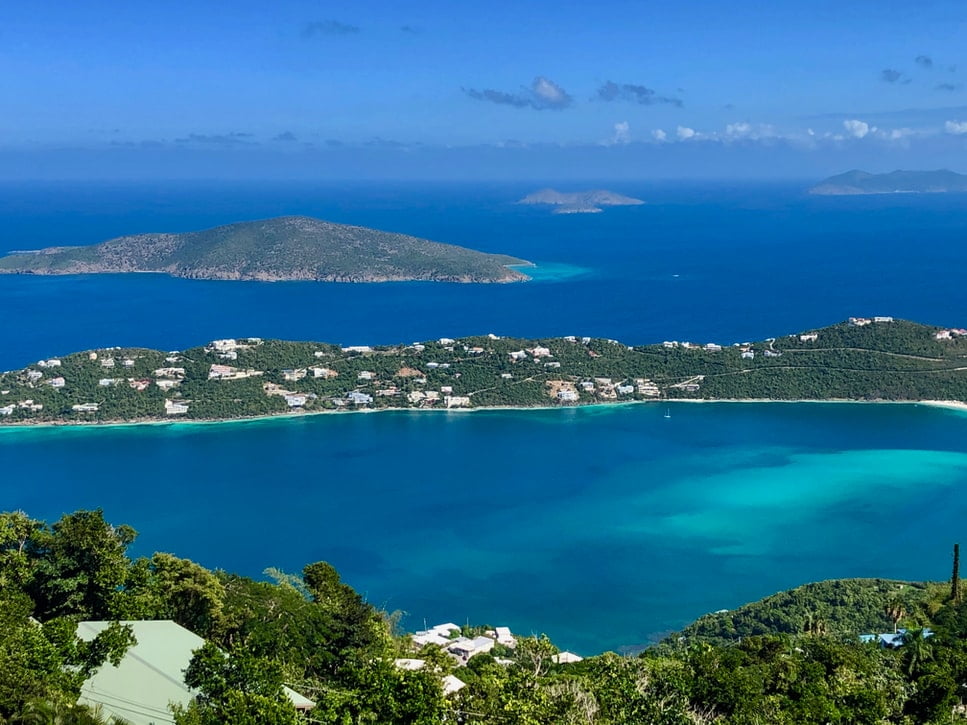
(151, 676)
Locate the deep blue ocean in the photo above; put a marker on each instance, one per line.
(602, 527)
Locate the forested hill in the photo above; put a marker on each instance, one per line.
(843, 608)
(860, 359)
(312, 632)
(284, 248)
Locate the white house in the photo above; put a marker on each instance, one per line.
(57, 382)
(567, 396)
(358, 398)
(809, 337)
(295, 401)
(85, 408)
(466, 648)
(175, 408)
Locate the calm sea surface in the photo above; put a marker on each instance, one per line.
(602, 527)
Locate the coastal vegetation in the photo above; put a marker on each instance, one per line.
(795, 657)
(283, 248)
(862, 359)
(896, 182)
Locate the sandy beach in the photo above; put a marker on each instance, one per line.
(955, 405)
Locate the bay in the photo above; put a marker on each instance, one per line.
(604, 527)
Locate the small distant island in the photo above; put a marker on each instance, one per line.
(896, 182)
(278, 249)
(862, 359)
(578, 202)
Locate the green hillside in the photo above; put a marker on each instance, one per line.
(284, 248)
(861, 360)
(315, 634)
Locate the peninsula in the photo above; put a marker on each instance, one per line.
(896, 182)
(862, 359)
(578, 202)
(283, 248)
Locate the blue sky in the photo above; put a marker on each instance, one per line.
(480, 89)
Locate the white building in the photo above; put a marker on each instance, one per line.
(465, 648)
(175, 408)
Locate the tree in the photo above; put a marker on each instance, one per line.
(16, 532)
(895, 611)
(81, 565)
(236, 687)
(167, 587)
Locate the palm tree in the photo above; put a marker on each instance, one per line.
(895, 611)
(916, 649)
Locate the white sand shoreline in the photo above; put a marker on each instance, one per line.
(955, 405)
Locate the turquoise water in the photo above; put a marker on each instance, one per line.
(604, 527)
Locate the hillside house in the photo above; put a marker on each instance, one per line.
(175, 408)
(150, 676)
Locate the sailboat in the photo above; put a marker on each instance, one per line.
(668, 413)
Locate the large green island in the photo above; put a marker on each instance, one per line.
(862, 359)
(272, 250)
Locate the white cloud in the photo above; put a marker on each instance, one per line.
(685, 133)
(659, 135)
(896, 134)
(622, 133)
(957, 128)
(550, 92)
(746, 130)
(738, 130)
(857, 129)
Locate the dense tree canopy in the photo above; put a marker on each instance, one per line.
(790, 658)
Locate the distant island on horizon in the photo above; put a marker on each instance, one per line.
(858, 182)
(284, 248)
(862, 359)
(578, 202)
